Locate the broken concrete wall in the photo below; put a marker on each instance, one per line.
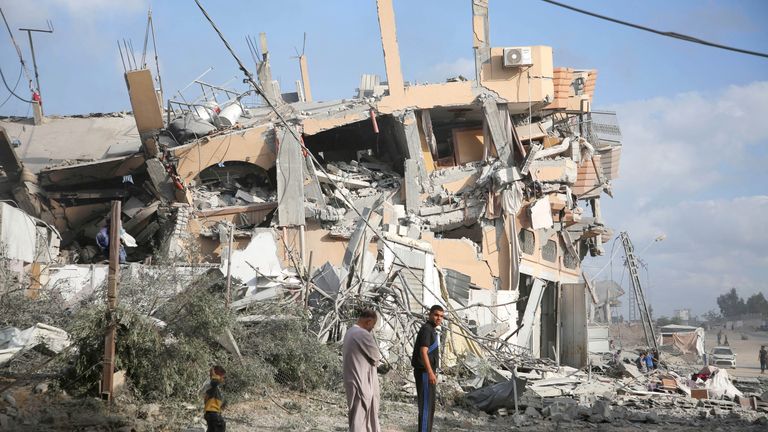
(254, 145)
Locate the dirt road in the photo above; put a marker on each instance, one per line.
(747, 364)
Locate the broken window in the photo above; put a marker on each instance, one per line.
(570, 260)
(459, 135)
(527, 241)
(235, 183)
(549, 251)
(347, 143)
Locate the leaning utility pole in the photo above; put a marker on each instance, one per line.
(634, 277)
(111, 331)
(34, 60)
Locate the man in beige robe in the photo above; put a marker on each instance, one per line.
(361, 383)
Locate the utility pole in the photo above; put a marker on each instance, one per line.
(111, 330)
(34, 60)
(306, 89)
(634, 277)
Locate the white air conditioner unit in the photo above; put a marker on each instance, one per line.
(517, 56)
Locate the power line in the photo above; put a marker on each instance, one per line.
(673, 35)
(15, 86)
(11, 91)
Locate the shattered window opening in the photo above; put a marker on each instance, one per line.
(549, 251)
(569, 260)
(527, 241)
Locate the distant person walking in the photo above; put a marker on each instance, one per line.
(719, 337)
(763, 357)
(425, 361)
(361, 356)
(726, 340)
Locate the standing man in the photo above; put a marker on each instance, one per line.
(763, 357)
(719, 337)
(214, 401)
(425, 361)
(361, 383)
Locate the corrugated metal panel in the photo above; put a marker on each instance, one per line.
(573, 325)
(457, 284)
(412, 279)
(610, 159)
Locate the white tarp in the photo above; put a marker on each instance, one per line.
(14, 342)
(685, 340)
(719, 385)
(76, 282)
(260, 254)
(18, 233)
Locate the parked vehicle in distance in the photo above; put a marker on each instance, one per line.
(723, 356)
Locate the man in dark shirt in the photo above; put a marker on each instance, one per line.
(425, 361)
(763, 357)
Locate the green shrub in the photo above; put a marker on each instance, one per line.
(301, 362)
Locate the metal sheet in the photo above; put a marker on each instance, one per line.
(573, 325)
(534, 300)
(457, 284)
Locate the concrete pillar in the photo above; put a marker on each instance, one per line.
(391, 51)
(481, 36)
(305, 78)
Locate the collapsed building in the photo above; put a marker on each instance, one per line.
(479, 194)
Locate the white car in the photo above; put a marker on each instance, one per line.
(723, 356)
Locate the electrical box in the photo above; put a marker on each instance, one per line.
(517, 56)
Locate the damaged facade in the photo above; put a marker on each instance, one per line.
(482, 195)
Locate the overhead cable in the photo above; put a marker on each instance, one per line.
(15, 86)
(11, 91)
(673, 35)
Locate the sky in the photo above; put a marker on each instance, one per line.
(694, 119)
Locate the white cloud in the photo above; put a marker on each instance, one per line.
(441, 71)
(685, 141)
(691, 168)
(711, 246)
(35, 13)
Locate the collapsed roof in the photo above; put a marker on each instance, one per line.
(485, 180)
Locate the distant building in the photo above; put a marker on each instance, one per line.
(684, 315)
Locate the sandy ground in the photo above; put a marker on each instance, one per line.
(320, 411)
(747, 364)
